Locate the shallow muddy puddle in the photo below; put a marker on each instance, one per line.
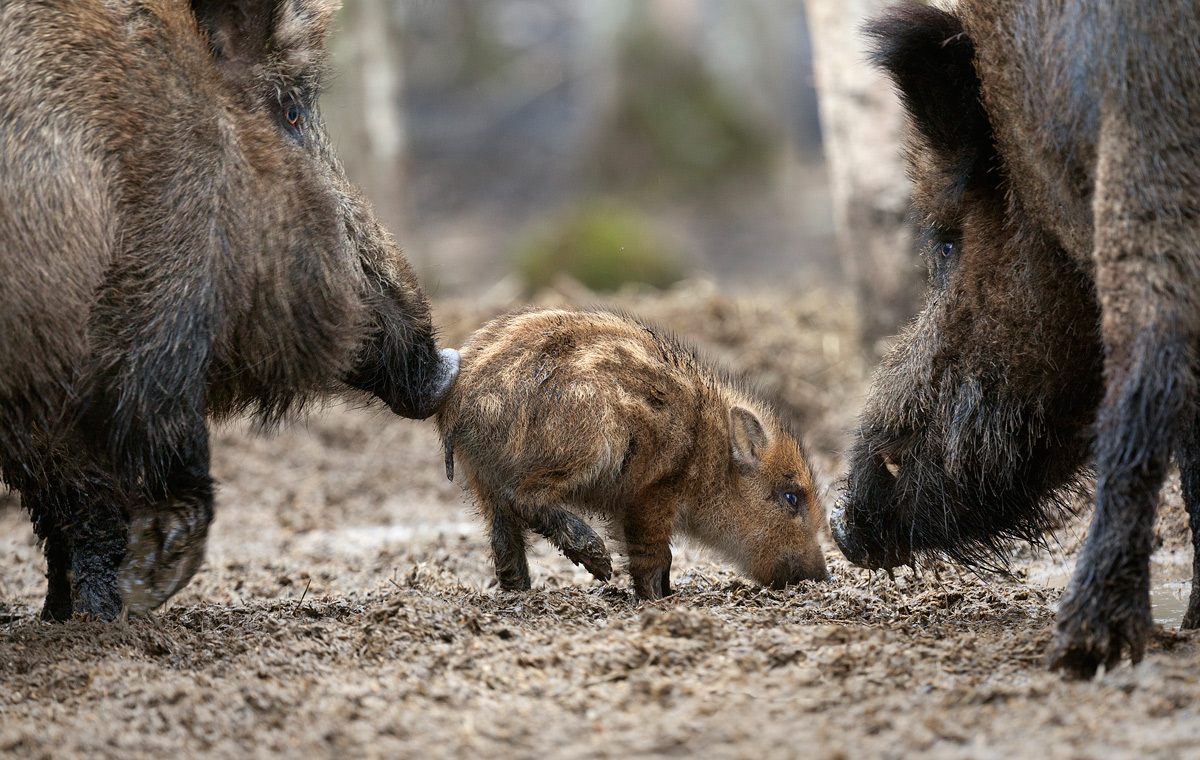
(1170, 586)
(1169, 600)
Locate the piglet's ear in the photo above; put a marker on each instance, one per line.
(931, 60)
(747, 438)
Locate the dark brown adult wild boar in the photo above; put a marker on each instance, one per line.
(1055, 148)
(603, 413)
(177, 243)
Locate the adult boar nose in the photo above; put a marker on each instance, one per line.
(842, 535)
(434, 393)
(853, 535)
(447, 375)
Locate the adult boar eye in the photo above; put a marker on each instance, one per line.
(293, 120)
(946, 249)
(792, 498)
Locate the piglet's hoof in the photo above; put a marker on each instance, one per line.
(592, 555)
(166, 547)
(653, 582)
(580, 544)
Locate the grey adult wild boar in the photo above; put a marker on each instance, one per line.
(177, 243)
(594, 411)
(1056, 152)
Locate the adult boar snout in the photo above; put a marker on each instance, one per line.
(434, 391)
(853, 527)
(447, 374)
(841, 535)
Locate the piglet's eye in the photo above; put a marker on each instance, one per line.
(946, 249)
(792, 498)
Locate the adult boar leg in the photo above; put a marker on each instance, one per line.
(1144, 284)
(1106, 610)
(84, 534)
(58, 605)
(167, 537)
(1188, 455)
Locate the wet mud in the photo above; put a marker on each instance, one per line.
(347, 608)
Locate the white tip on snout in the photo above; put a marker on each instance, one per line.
(837, 518)
(447, 372)
(450, 359)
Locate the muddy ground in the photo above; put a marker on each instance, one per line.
(347, 609)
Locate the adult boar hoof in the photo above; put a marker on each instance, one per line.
(166, 547)
(1101, 636)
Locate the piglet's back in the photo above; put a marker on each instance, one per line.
(570, 396)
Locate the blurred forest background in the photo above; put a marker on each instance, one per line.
(511, 142)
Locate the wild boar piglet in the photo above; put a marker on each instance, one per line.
(599, 412)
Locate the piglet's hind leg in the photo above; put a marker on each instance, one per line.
(508, 549)
(575, 539)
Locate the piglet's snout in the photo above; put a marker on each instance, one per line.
(793, 568)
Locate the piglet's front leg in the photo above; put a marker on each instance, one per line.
(574, 538)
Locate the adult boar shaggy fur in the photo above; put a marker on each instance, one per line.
(177, 243)
(558, 410)
(1055, 148)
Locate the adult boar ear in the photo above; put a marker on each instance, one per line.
(249, 32)
(931, 60)
(300, 29)
(747, 438)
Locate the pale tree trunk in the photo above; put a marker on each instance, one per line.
(364, 108)
(862, 124)
(598, 70)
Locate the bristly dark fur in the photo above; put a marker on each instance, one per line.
(958, 521)
(180, 243)
(1052, 149)
(930, 58)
